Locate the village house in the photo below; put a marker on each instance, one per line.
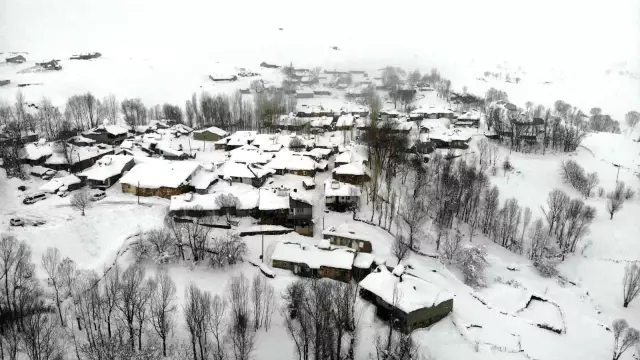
(319, 154)
(69, 182)
(290, 208)
(18, 59)
(304, 93)
(345, 122)
(251, 174)
(169, 153)
(420, 304)
(82, 157)
(209, 134)
(162, 178)
(468, 119)
(238, 139)
(80, 140)
(107, 171)
(455, 138)
(249, 154)
(198, 205)
(287, 162)
(314, 261)
(107, 134)
(352, 173)
(349, 236)
(348, 157)
(203, 180)
(363, 264)
(36, 153)
(309, 184)
(341, 196)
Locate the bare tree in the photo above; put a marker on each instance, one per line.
(109, 108)
(451, 245)
(51, 262)
(413, 214)
(162, 307)
(630, 283)
(41, 337)
(217, 324)
(130, 296)
(615, 199)
(556, 201)
(160, 239)
(241, 333)
(227, 203)
(80, 200)
(134, 112)
(624, 337)
(197, 313)
(400, 248)
(257, 292)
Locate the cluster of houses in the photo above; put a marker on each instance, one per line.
(405, 300)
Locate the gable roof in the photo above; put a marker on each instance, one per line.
(351, 169)
(336, 188)
(313, 256)
(156, 173)
(412, 293)
(107, 166)
(213, 130)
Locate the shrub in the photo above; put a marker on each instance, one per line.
(472, 260)
(546, 267)
(574, 174)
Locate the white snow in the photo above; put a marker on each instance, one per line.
(203, 179)
(160, 173)
(274, 199)
(363, 260)
(311, 255)
(352, 169)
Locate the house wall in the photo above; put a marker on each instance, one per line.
(351, 179)
(163, 192)
(302, 172)
(422, 318)
(335, 274)
(206, 136)
(359, 245)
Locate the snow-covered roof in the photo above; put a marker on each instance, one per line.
(305, 91)
(160, 173)
(249, 154)
(312, 256)
(349, 231)
(271, 147)
(432, 110)
(111, 129)
(273, 199)
(319, 152)
(363, 260)
(470, 115)
(350, 157)
(107, 166)
(291, 161)
(78, 153)
(166, 149)
(450, 135)
(54, 184)
(233, 169)
(39, 170)
(202, 179)
(411, 293)
(79, 139)
(213, 130)
(321, 121)
(247, 199)
(336, 188)
(352, 169)
(309, 182)
(36, 151)
(345, 120)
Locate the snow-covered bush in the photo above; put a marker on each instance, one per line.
(546, 267)
(228, 249)
(629, 193)
(472, 260)
(574, 174)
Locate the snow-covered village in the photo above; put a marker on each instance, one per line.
(312, 200)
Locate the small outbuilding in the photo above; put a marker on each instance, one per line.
(420, 305)
(209, 134)
(314, 261)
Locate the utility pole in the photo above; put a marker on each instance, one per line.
(262, 256)
(138, 192)
(618, 173)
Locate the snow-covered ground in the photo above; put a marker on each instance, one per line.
(490, 323)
